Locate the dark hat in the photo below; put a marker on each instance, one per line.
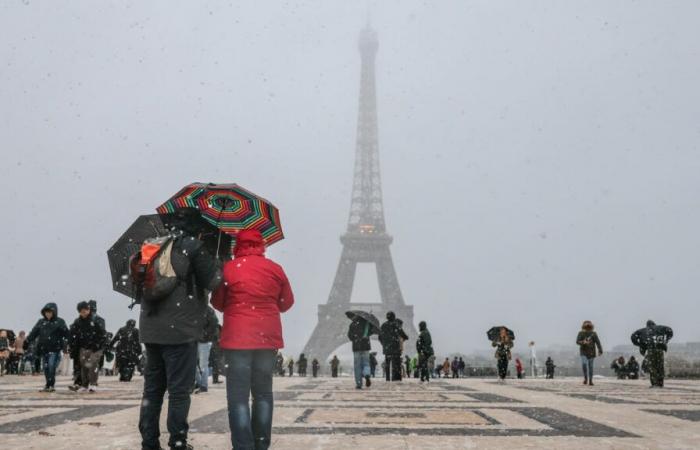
(390, 315)
(83, 305)
(93, 305)
(650, 323)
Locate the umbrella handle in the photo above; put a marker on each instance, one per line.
(218, 244)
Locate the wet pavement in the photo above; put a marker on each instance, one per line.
(330, 413)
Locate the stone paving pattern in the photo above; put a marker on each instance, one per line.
(327, 413)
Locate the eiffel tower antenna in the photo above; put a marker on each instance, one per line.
(366, 239)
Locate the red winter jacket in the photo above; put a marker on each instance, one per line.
(254, 292)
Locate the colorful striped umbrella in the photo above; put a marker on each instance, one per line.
(230, 208)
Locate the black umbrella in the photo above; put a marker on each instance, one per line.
(151, 226)
(494, 332)
(127, 245)
(369, 317)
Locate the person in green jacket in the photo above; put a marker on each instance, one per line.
(588, 342)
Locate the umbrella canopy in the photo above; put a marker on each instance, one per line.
(493, 333)
(230, 208)
(146, 227)
(369, 317)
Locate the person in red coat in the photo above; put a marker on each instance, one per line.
(254, 292)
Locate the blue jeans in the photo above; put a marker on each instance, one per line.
(250, 371)
(171, 368)
(201, 378)
(51, 362)
(587, 364)
(361, 360)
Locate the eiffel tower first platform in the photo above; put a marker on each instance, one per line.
(366, 239)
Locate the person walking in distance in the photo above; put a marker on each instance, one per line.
(424, 347)
(503, 344)
(87, 338)
(51, 335)
(392, 337)
(359, 333)
(588, 341)
(252, 297)
(335, 365)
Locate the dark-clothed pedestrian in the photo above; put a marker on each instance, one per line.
(653, 344)
(209, 329)
(359, 333)
(588, 342)
(633, 368)
(455, 367)
(254, 293)
(302, 364)
(127, 345)
(373, 363)
(335, 365)
(315, 366)
(424, 347)
(503, 344)
(392, 338)
(215, 357)
(549, 367)
(290, 366)
(87, 339)
(279, 364)
(170, 327)
(51, 335)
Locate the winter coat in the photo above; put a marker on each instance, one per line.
(653, 337)
(588, 341)
(424, 345)
(128, 345)
(359, 333)
(391, 337)
(51, 335)
(254, 292)
(179, 318)
(502, 348)
(88, 334)
(211, 326)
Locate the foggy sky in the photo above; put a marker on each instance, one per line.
(540, 160)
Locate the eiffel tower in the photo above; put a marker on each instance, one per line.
(366, 239)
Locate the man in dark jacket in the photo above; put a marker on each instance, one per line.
(170, 328)
(128, 349)
(51, 334)
(373, 363)
(652, 342)
(301, 365)
(392, 337)
(424, 347)
(209, 333)
(359, 334)
(315, 366)
(101, 322)
(88, 337)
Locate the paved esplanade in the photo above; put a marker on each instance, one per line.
(328, 413)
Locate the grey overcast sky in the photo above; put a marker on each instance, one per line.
(540, 159)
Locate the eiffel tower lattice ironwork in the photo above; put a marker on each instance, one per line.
(366, 239)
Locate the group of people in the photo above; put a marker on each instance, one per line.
(86, 342)
(626, 370)
(179, 331)
(652, 341)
